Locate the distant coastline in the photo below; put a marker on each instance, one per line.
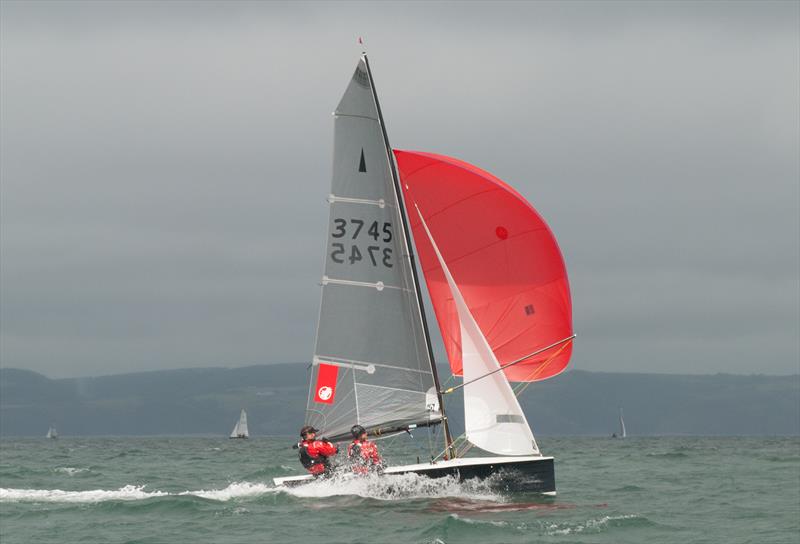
(207, 401)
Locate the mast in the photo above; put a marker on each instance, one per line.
(410, 248)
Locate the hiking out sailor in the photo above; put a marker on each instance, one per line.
(315, 455)
(363, 454)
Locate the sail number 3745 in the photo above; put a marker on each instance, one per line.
(351, 229)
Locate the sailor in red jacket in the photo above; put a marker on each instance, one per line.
(362, 453)
(315, 454)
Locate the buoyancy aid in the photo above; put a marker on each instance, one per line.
(315, 454)
(364, 456)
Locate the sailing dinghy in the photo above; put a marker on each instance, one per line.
(622, 432)
(240, 429)
(498, 287)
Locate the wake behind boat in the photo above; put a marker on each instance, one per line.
(499, 290)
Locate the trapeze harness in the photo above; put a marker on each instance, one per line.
(314, 455)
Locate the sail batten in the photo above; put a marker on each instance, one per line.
(360, 365)
(380, 286)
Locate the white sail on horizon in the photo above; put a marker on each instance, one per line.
(240, 429)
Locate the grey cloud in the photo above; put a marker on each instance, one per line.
(164, 169)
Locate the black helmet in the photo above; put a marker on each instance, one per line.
(357, 430)
(308, 429)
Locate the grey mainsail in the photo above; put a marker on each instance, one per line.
(372, 364)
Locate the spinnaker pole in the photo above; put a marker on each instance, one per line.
(410, 248)
(512, 363)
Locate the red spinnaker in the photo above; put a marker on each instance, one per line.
(501, 254)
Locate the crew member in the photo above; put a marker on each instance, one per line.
(362, 453)
(315, 454)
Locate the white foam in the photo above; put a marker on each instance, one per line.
(71, 470)
(380, 487)
(235, 490)
(127, 493)
(394, 487)
(130, 493)
(590, 525)
(479, 521)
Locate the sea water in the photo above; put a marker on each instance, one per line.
(216, 490)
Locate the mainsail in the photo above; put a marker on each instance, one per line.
(240, 429)
(501, 254)
(372, 363)
(622, 432)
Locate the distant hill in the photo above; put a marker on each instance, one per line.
(208, 400)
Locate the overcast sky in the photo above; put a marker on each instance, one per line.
(165, 168)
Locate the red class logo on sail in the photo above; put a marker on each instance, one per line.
(326, 383)
(325, 392)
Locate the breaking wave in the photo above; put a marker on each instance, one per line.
(390, 487)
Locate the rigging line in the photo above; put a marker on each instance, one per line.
(530, 379)
(512, 363)
(523, 384)
(468, 446)
(431, 436)
(463, 438)
(355, 397)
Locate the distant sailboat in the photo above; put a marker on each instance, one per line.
(52, 433)
(622, 433)
(240, 429)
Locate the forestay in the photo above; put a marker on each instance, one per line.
(371, 364)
